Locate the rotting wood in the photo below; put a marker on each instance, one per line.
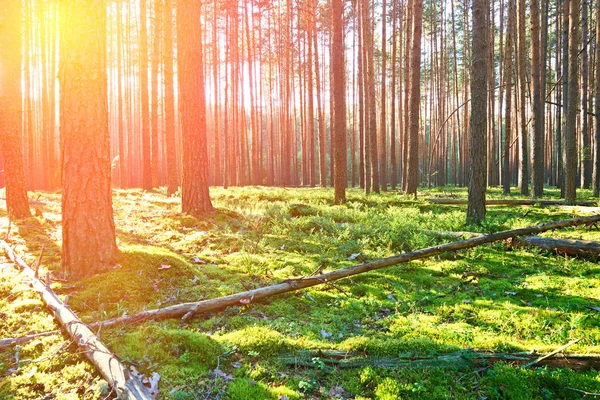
(571, 247)
(512, 202)
(116, 374)
(187, 310)
(458, 360)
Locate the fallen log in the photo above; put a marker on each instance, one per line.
(458, 360)
(513, 202)
(571, 247)
(112, 370)
(187, 310)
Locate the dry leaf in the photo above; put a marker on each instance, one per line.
(245, 301)
(164, 266)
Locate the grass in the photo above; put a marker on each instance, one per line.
(489, 298)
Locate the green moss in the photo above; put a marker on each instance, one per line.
(256, 341)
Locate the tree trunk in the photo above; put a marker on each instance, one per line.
(537, 164)
(597, 109)
(383, 125)
(338, 85)
(586, 151)
(412, 163)
(145, 101)
(88, 229)
(572, 103)
(172, 178)
(11, 116)
(522, 68)
(195, 197)
(478, 124)
(576, 248)
(508, 79)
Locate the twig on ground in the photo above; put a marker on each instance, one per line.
(583, 392)
(571, 343)
(39, 261)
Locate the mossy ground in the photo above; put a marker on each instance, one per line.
(489, 297)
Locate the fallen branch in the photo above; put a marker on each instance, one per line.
(187, 310)
(578, 248)
(458, 360)
(512, 202)
(6, 343)
(561, 348)
(583, 392)
(116, 374)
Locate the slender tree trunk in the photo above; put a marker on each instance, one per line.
(383, 125)
(172, 178)
(478, 125)
(572, 103)
(88, 229)
(565, 97)
(522, 68)
(155, 160)
(338, 86)
(145, 103)
(537, 164)
(11, 116)
(508, 79)
(586, 156)
(597, 108)
(393, 162)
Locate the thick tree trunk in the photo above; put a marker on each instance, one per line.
(586, 150)
(195, 197)
(339, 97)
(88, 229)
(11, 141)
(478, 125)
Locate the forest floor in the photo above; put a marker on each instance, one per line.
(491, 297)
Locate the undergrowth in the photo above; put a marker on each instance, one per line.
(488, 298)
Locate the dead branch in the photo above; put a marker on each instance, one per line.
(111, 369)
(513, 202)
(6, 343)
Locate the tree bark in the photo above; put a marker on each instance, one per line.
(339, 97)
(145, 101)
(11, 140)
(523, 177)
(508, 79)
(478, 124)
(195, 196)
(88, 230)
(597, 152)
(172, 178)
(412, 163)
(572, 103)
(537, 69)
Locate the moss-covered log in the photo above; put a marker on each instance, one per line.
(112, 370)
(458, 360)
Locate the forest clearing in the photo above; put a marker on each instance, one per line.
(344, 340)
